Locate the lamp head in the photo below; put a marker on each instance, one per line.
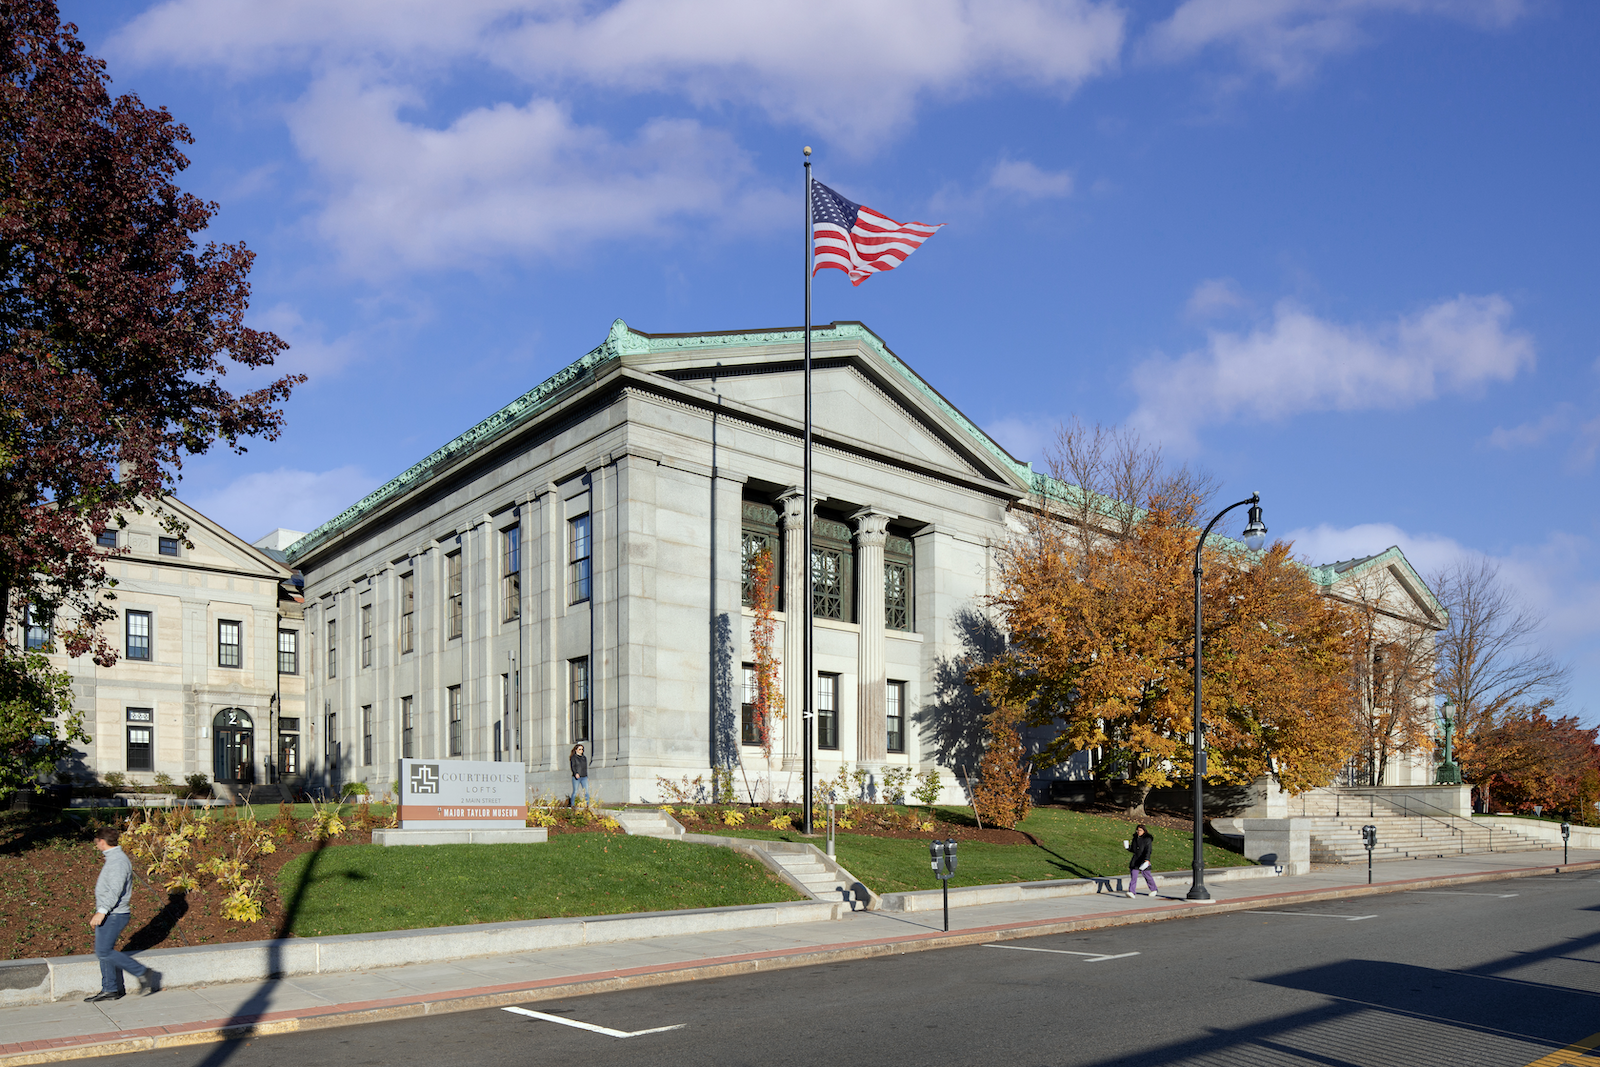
(1255, 531)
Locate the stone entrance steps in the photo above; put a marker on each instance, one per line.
(1337, 839)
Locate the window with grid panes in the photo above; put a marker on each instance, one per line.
(408, 607)
(579, 562)
(39, 635)
(288, 652)
(895, 708)
(408, 728)
(511, 572)
(452, 588)
(137, 628)
(578, 688)
(106, 539)
(827, 711)
(748, 734)
(167, 546)
(230, 643)
(759, 530)
(897, 583)
(453, 709)
(832, 571)
(366, 735)
(333, 648)
(366, 635)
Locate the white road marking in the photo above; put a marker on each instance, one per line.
(1317, 915)
(1094, 957)
(1461, 893)
(591, 1026)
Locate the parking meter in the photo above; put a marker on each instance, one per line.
(1369, 838)
(1566, 832)
(943, 854)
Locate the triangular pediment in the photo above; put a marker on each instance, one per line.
(211, 544)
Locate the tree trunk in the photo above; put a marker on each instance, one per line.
(1141, 794)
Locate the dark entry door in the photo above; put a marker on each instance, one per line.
(233, 746)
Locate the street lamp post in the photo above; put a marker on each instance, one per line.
(1255, 535)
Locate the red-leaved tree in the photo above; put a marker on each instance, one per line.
(116, 328)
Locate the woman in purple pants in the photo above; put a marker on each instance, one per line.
(1139, 860)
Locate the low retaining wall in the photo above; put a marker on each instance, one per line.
(933, 899)
(40, 981)
(1548, 832)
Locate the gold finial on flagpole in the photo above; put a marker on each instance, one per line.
(808, 150)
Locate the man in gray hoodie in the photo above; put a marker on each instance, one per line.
(113, 897)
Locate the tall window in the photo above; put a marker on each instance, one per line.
(578, 686)
(748, 734)
(137, 625)
(452, 586)
(288, 652)
(511, 572)
(333, 648)
(366, 735)
(366, 635)
(832, 571)
(330, 741)
(408, 607)
(759, 530)
(141, 731)
(106, 539)
(578, 554)
(167, 546)
(897, 571)
(827, 711)
(452, 703)
(39, 634)
(408, 729)
(895, 706)
(230, 652)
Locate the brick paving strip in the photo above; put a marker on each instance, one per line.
(54, 1050)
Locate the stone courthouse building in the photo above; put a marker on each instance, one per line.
(572, 569)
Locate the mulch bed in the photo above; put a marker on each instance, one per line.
(48, 867)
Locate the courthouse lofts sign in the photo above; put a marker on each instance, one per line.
(461, 795)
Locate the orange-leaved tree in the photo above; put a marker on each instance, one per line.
(1001, 795)
(763, 597)
(1101, 645)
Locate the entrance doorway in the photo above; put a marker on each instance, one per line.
(234, 744)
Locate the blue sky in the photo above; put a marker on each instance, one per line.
(1342, 253)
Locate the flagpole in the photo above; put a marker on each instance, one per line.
(805, 522)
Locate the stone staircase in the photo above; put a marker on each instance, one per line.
(803, 866)
(1336, 820)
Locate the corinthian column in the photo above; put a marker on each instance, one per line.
(872, 724)
(795, 617)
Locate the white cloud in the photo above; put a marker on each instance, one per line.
(850, 71)
(508, 180)
(1289, 38)
(1331, 544)
(1025, 179)
(1561, 422)
(1299, 363)
(1214, 297)
(255, 504)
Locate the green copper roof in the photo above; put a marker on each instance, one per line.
(622, 342)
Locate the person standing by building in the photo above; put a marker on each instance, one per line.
(1139, 850)
(113, 899)
(580, 774)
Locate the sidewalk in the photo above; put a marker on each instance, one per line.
(71, 1029)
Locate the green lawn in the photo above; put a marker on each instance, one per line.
(354, 889)
(1071, 845)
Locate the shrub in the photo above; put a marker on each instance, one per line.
(199, 785)
(115, 779)
(927, 791)
(355, 789)
(895, 781)
(163, 779)
(1001, 795)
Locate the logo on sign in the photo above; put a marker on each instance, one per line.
(424, 778)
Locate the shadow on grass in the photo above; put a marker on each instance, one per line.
(241, 1026)
(161, 925)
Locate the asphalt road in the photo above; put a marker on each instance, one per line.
(1497, 973)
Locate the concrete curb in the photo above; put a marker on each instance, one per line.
(43, 981)
(669, 974)
(933, 899)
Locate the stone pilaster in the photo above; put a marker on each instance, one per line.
(795, 616)
(872, 724)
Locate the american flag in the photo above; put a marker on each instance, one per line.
(858, 240)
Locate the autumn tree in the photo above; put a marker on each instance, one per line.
(1529, 757)
(1001, 796)
(116, 328)
(1393, 662)
(1101, 643)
